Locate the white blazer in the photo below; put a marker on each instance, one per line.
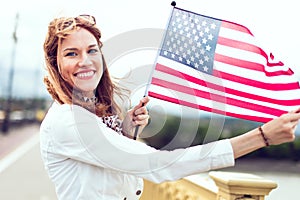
(86, 160)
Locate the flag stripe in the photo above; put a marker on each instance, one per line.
(247, 64)
(206, 102)
(236, 27)
(227, 76)
(208, 109)
(218, 98)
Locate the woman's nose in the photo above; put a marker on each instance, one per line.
(84, 60)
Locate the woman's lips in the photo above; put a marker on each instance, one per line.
(85, 75)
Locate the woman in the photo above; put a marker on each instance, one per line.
(87, 148)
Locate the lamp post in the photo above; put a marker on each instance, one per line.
(5, 125)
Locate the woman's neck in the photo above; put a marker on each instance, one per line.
(87, 97)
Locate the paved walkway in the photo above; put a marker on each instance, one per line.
(22, 174)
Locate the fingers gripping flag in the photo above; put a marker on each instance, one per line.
(217, 66)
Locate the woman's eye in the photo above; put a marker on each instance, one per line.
(93, 51)
(70, 54)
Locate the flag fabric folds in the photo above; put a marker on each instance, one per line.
(218, 66)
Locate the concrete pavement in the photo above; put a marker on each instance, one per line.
(22, 174)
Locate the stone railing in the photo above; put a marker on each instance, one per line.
(216, 186)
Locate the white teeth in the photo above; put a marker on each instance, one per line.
(86, 74)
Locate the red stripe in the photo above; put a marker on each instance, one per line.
(217, 98)
(208, 109)
(254, 49)
(235, 26)
(258, 84)
(250, 65)
(187, 77)
(230, 77)
(241, 45)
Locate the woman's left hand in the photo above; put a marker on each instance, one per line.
(137, 116)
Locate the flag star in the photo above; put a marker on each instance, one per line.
(206, 58)
(204, 41)
(206, 30)
(198, 44)
(197, 55)
(208, 48)
(213, 26)
(205, 68)
(204, 23)
(173, 55)
(188, 62)
(201, 33)
(210, 37)
(196, 65)
(201, 62)
(202, 51)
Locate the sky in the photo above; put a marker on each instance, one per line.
(273, 23)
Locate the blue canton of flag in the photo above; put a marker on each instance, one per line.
(191, 40)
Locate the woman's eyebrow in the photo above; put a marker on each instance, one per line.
(70, 49)
(73, 48)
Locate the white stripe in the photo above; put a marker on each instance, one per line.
(19, 152)
(185, 83)
(249, 74)
(281, 95)
(242, 54)
(248, 56)
(237, 35)
(207, 103)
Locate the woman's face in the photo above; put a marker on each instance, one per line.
(80, 60)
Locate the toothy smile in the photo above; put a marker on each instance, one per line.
(84, 74)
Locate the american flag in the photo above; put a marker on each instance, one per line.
(218, 66)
